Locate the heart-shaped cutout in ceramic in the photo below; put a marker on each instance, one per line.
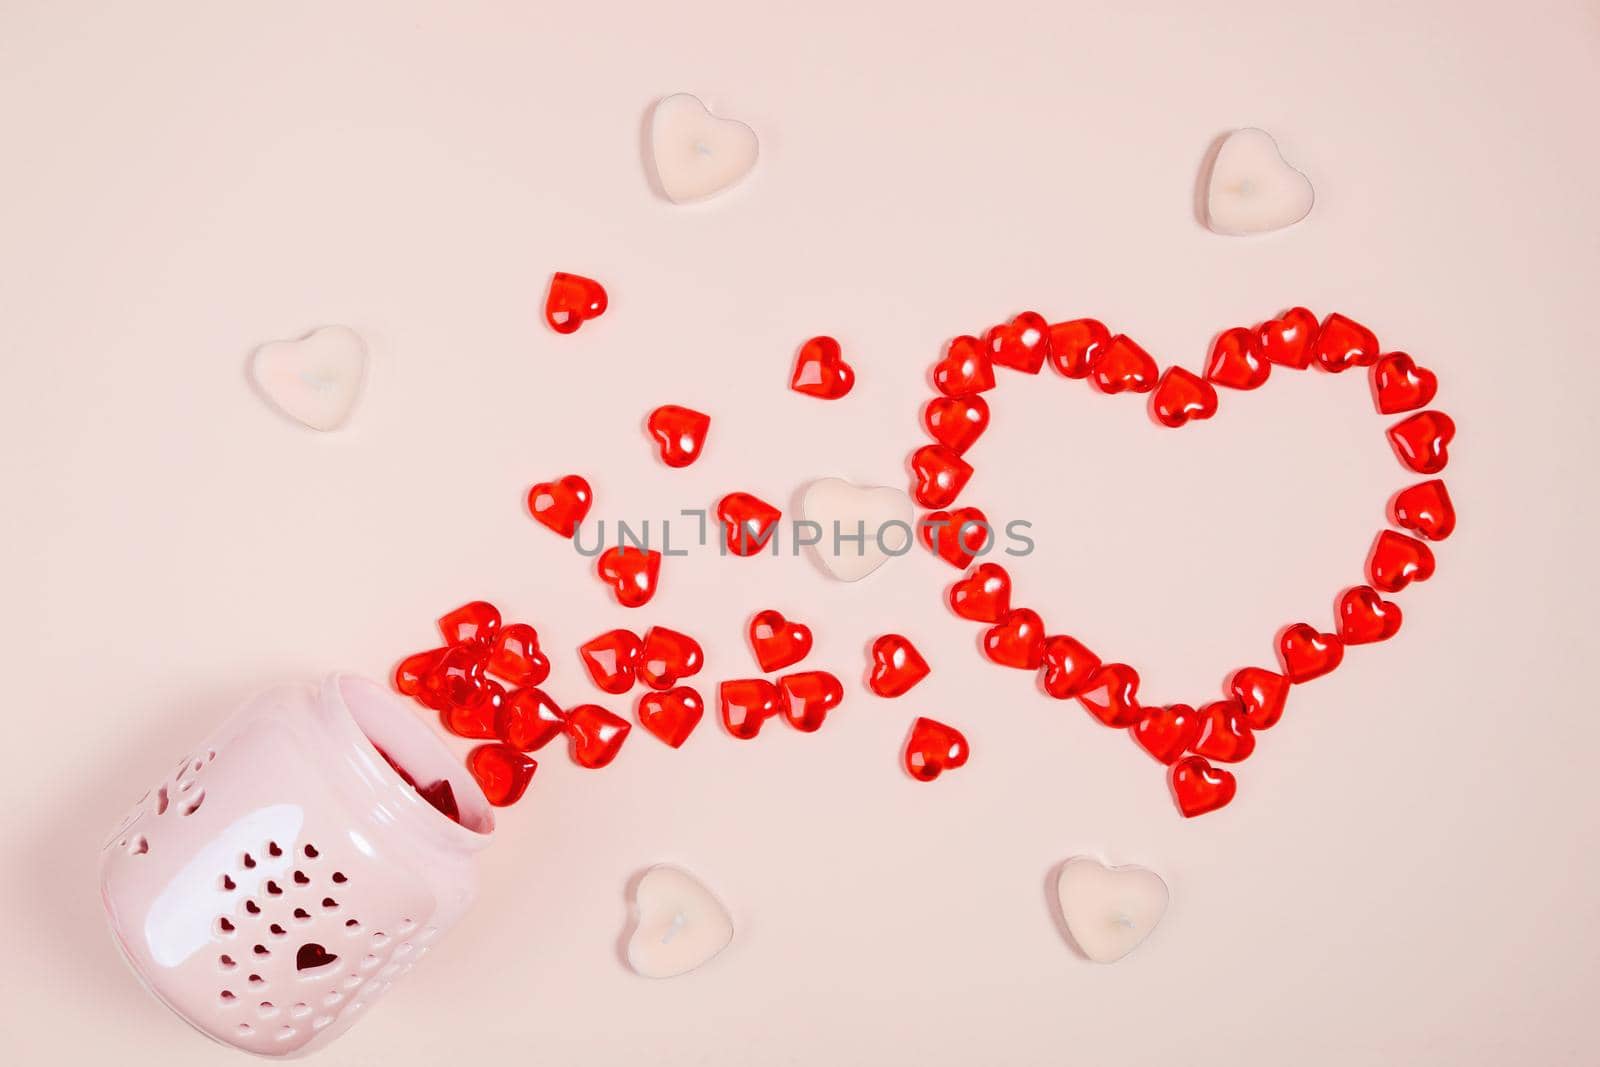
(881, 517)
(1109, 911)
(679, 924)
(315, 380)
(696, 154)
(1252, 188)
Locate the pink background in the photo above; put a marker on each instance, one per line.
(1409, 873)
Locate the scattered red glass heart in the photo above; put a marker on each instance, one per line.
(475, 720)
(1016, 640)
(1287, 340)
(965, 368)
(473, 624)
(896, 666)
(1021, 344)
(456, 681)
(410, 674)
(984, 595)
(821, 371)
(1262, 694)
(1398, 384)
(934, 748)
(1343, 343)
(528, 719)
(668, 657)
(956, 421)
(680, 433)
(1365, 617)
(808, 697)
(1224, 734)
(515, 656)
(1423, 441)
(1235, 361)
(956, 536)
(748, 523)
(777, 642)
(1397, 560)
(1199, 787)
(1122, 366)
(1073, 345)
(673, 715)
(573, 300)
(501, 772)
(631, 572)
(1307, 654)
(1166, 733)
(1181, 396)
(747, 703)
(595, 735)
(611, 659)
(1111, 695)
(1068, 666)
(941, 474)
(562, 504)
(1424, 509)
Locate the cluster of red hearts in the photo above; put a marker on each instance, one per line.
(1187, 741)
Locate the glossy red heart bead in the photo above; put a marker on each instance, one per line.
(965, 368)
(1287, 340)
(595, 735)
(1308, 654)
(956, 421)
(956, 536)
(1021, 344)
(611, 659)
(679, 432)
(456, 681)
(473, 624)
(1199, 787)
(673, 715)
(1423, 441)
(1166, 733)
(1224, 735)
(528, 719)
(1068, 666)
(940, 475)
(668, 657)
(562, 504)
(1122, 366)
(984, 595)
(1343, 343)
(1365, 617)
(820, 370)
(1016, 640)
(748, 523)
(896, 666)
(747, 703)
(934, 748)
(573, 300)
(1181, 396)
(1397, 560)
(1073, 345)
(631, 572)
(777, 642)
(1398, 384)
(501, 772)
(409, 675)
(808, 697)
(476, 720)
(1111, 694)
(515, 655)
(1235, 361)
(1261, 693)
(1425, 509)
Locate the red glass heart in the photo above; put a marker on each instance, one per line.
(1397, 560)
(515, 655)
(1424, 509)
(1199, 787)
(1122, 366)
(409, 675)
(456, 681)
(1286, 340)
(668, 657)
(561, 505)
(940, 474)
(1112, 695)
(1262, 694)
(673, 715)
(1166, 733)
(956, 421)
(476, 720)
(631, 572)
(808, 697)
(984, 595)
(1365, 617)
(934, 748)
(1068, 666)
(1016, 640)
(956, 536)
(821, 371)
(1343, 343)
(748, 523)
(680, 433)
(611, 659)
(473, 625)
(1235, 361)
(528, 719)
(501, 772)
(1073, 345)
(595, 735)
(1398, 384)
(1181, 396)
(1021, 344)
(1224, 735)
(777, 642)
(1423, 441)
(896, 666)
(1307, 654)
(965, 368)
(573, 300)
(745, 704)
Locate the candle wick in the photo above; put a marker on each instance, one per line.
(1122, 920)
(672, 930)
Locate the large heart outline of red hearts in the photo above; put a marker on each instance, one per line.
(1188, 742)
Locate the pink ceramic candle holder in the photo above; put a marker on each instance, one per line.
(276, 883)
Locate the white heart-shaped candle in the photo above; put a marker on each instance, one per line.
(1252, 188)
(860, 525)
(1109, 910)
(679, 924)
(696, 154)
(315, 380)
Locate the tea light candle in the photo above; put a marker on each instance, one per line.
(681, 924)
(1109, 911)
